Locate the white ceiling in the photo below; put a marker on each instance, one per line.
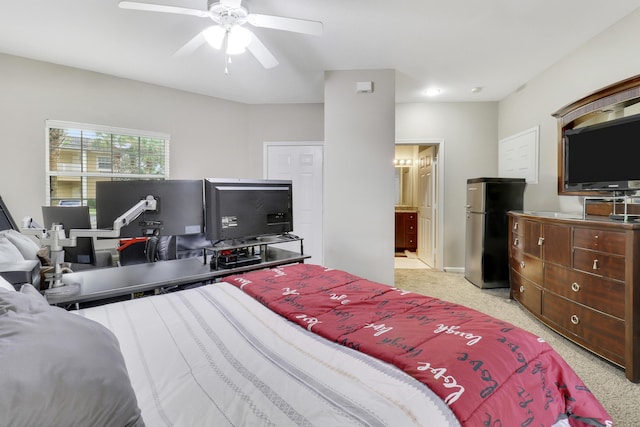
(453, 44)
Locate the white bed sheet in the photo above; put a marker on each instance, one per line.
(213, 356)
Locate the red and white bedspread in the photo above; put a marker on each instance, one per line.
(488, 371)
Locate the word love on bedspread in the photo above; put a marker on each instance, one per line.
(488, 371)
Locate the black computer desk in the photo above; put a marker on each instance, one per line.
(103, 284)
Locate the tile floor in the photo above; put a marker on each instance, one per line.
(409, 260)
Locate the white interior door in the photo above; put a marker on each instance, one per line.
(302, 164)
(427, 205)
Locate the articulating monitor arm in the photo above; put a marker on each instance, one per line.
(56, 241)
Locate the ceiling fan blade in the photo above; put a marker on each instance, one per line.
(304, 26)
(162, 8)
(190, 46)
(261, 53)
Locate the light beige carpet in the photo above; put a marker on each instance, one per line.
(607, 382)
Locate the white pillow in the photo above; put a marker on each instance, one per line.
(27, 247)
(6, 285)
(29, 289)
(8, 251)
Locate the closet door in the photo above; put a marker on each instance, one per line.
(302, 164)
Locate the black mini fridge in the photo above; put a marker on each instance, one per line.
(487, 229)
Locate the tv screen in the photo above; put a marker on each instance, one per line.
(179, 211)
(241, 208)
(603, 156)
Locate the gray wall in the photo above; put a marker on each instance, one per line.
(470, 134)
(209, 137)
(359, 174)
(212, 137)
(607, 58)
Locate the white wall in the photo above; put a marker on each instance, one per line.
(470, 134)
(209, 137)
(607, 58)
(359, 173)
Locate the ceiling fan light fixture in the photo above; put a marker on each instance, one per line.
(214, 35)
(238, 38)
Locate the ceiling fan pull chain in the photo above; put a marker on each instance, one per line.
(225, 45)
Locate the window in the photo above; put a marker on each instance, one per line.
(104, 163)
(79, 155)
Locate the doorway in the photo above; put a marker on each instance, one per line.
(427, 160)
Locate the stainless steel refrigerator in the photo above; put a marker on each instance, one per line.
(487, 229)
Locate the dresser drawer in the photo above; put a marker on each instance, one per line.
(517, 243)
(599, 240)
(527, 266)
(599, 332)
(526, 293)
(600, 263)
(601, 294)
(412, 241)
(517, 226)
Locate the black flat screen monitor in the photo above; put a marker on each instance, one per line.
(6, 220)
(603, 156)
(243, 208)
(72, 217)
(179, 206)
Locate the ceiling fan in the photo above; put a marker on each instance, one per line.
(229, 31)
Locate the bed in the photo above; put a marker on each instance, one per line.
(295, 345)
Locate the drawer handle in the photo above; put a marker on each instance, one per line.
(521, 289)
(521, 264)
(575, 287)
(540, 241)
(575, 319)
(595, 264)
(515, 242)
(515, 225)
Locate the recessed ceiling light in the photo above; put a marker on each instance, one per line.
(432, 91)
(476, 89)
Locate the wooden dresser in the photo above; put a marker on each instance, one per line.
(582, 279)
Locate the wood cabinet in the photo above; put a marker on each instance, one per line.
(406, 231)
(582, 279)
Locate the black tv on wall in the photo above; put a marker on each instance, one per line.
(603, 157)
(245, 208)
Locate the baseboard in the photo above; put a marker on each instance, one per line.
(454, 269)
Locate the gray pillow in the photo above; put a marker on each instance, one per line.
(60, 369)
(27, 247)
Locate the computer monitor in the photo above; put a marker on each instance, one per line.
(179, 206)
(244, 208)
(72, 217)
(6, 220)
